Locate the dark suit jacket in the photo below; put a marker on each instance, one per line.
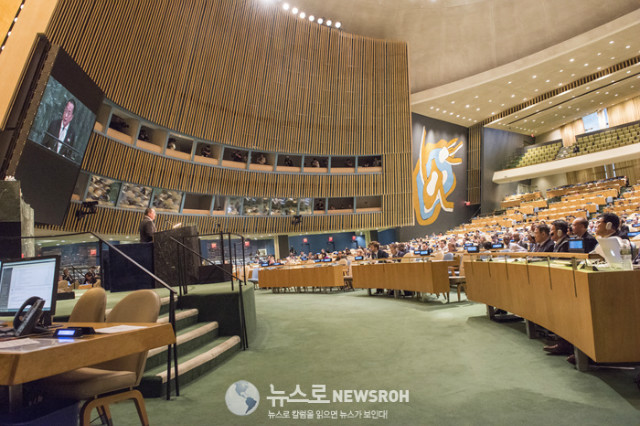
(380, 255)
(546, 247)
(147, 229)
(562, 246)
(589, 242)
(70, 139)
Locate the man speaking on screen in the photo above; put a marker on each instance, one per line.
(63, 131)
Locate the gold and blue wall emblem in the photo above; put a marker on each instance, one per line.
(434, 179)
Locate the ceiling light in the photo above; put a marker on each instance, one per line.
(431, 107)
(338, 24)
(477, 109)
(513, 96)
(599, 53)
(466, 106)
(613, 57)
(508, 82)
(561, 71)
(444, 111)
(451, 113)
(547, 81)
(571, 60)
(586, 65)
(285, 6)
(302, 15)
(453, 102)
(329, 22)
(437, 109)
(475, 97)
(312, 18)
(457, 115)
(536, 90)
(611, 42)
(627, 46)
(534, 76)
(320, 21)
(294, 10)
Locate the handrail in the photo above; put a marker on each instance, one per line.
(172, 348)
(243, 327)
(204, 258)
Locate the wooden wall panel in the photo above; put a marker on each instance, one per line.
(252, 76)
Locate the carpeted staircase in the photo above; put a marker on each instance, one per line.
(200, 350)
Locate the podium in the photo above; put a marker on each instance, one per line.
(16, 220)
(171, 260)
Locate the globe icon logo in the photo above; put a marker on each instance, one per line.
(242, 398)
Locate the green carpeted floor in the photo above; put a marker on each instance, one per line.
(459, 367)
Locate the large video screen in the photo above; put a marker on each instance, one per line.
(63, 123)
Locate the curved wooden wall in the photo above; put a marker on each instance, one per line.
(252, 76)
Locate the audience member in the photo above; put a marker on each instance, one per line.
(579, 228)
(560, 236)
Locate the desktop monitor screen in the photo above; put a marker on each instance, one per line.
(264, 264)
(277, 264)
(328, 259)
(497, 246)
(472, 249)
(24, 278)
(317, 261)
(633, 234)
(358, 257)
(576, 246)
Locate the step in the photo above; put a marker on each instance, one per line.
(195, 365)
(184, 318)
(189, 339)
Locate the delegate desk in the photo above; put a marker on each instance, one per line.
(421, 277)
(50, 356)
(302, 276)
(597, 311)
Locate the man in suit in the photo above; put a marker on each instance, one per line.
(63, 131)
(376, 253)
(544, 244)
(580, 229)
(560, 236)
(147, 227)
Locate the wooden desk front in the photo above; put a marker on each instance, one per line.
(303, 276)
(598, 312)
(26, 365)
(424, 277)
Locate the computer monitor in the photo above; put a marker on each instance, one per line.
(576, 245)
(633, 234)
(21, 279)
(497, 246)
(264, 264)
(328, 259)
(358, 258)
(317, 261)
(472, 249)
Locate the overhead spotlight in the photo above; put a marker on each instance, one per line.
(312, 18)
(320, 21)
(338, 24)
(285, 6)
(329, 23)
(294, 10)
(302, 15)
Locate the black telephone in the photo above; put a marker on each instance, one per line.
(25, 323)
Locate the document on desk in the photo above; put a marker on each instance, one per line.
(13, 344)
(119, 329)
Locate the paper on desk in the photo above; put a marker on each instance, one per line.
(12, 344)
(119, 329)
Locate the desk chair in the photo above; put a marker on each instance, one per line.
(90, 307)
(98, 385)
(457, 278)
